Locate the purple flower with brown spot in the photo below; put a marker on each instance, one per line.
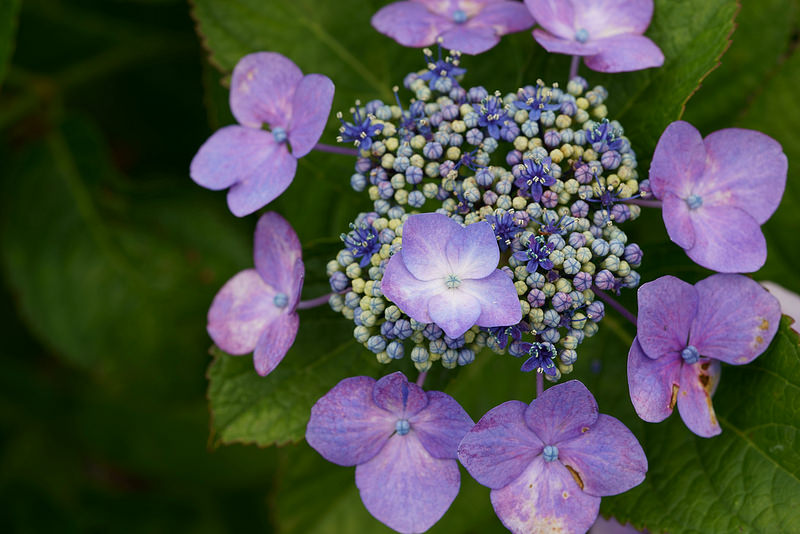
(469, 26)
(717, 192)
(268, 92)
(684, 331)
(607, 33)
(255, 310)
(548, 463)
(401, 439)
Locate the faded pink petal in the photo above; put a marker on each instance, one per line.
(425, 239)
(667, 307)
(653, 384)
(262, 87)
(275, 342)
(561, 412)
(555, 16)
(472, 251)
(410, 23)
(469, 39)
(409, 294)
(395, 394)
(606, 18)
(503, 17)
(265, 184)
(230, 155)
(558, 45)
(441, 425)
(454, 311)
(698, 382)
(498, 299)
(312, 105)
(727, 240)
(625, 53)
(677, 220)
(277, 255)
(678, 161)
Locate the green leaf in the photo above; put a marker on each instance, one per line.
(9, 10)
(745, 479)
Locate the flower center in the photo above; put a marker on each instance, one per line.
(279, 134)
(402, 427)
(694, 201)
(452, 281)
(280, 300)
(582, 35)
(459, 17)
(550, 453)
(690, 354)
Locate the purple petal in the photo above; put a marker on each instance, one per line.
(678, 161)
(545, 498)
(230, 155)
(736, 318)
(737, 157)
(470, 39)
(677, 220)
(265, 184)
(276, 252)
(604, 18)
(441, 425)
(625, 53)
(425, 239)
(472, 252)
(503, 17)
(607, 458)
(698, 382)
(556, 45)
(409, 294)
(667, 307)
(395, 394)
(497, 297)
(555, 16)
(346, 427)
(454, 311)
(311, 105)
(561, 412)
(240, 312)
(410, 23)
(727, 240)
(500, 447)
(406, 488)
(275, 342)
(262, 88)
(653, 384)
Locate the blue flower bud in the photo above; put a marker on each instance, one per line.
(450, 358)
(395, 350)
(466, 356)
(568, 356)
(595, 311)
(633, 254)
(604, 280)
(339, 281)
(561, 302)
(402, 329)
(358, 182)
(376, 344)
(616, 247)
(361, 333)
(419, 354)
(437, 346)
(454, 343)
(551, 335)
(599, 247)
(551, 318)
(387, 330)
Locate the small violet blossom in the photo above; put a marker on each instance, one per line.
(683, 332)
(469, 26)
(267, 91)
(717, 192)
(548, 463)
(607, 33)
(447, 274)
(255, 310)
(401, 439)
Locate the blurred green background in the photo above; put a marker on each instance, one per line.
(111, 256)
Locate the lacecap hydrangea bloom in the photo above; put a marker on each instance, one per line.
(684, 331)
(401, 439)
(469, 26)
(717, 192)
(548, 463)
(255, 310)
(267, 91)
(606, 33)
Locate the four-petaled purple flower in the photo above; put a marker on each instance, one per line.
(255, 310)
(683, 332)
(537, 254)
(717, 192)
(447, 274)
(608, 33)
(401, 439)
(492, 115)
(548, 463)
(267, 90)
(469, 26)
(533, 176)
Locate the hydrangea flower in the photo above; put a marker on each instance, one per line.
(447, 274)
(469, 26)
(267, 90)
(683, 332)
(548, 463)
(607, 33)
(402, 441)
(717, 192)
(255, 310)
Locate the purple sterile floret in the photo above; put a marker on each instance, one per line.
(267, 91)
(447, 274)
(255, 310)
(469, 26)
(683, 332)
(607, 33)
(548, 463)
(717, 192)
(403, 441)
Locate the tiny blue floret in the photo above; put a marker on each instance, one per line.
(582, 35)
(459, 17)
(279, 134)
(550, 453)
(690, 354)
(280, 300)
(402, 427)
(694, 201)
